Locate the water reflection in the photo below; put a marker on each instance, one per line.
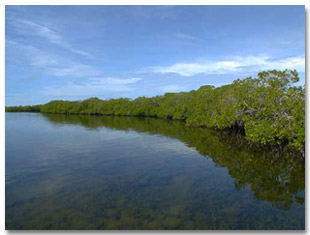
(99, 172)
(275, 175)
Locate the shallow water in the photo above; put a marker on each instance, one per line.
(97, 172)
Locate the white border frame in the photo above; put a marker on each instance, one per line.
(136, 2)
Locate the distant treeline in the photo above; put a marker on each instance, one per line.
(268, 109)
(27, 108)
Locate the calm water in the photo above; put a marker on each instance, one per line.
(86, 172)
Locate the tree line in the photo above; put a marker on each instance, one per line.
(268, 109)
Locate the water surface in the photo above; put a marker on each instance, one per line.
(99, 172)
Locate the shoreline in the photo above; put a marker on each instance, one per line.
(227, 130)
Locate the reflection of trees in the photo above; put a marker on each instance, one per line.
(274, 175)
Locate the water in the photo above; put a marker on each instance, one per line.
(96, 172)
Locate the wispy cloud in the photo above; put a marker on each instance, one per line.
(72, 70)
(235, 65)
(51, 64)
(94, 86)
(50, 34)
(38, 30)
(117, 81)
(186, 36)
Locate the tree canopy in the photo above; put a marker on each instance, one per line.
(268, 109)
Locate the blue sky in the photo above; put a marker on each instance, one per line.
(77, 52)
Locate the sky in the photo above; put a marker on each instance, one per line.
(78, 52)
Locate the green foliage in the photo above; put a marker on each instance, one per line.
(28, 108)
(268, 109)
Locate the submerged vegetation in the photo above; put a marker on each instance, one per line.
(268, 109)
(97, 183)
(273, 174)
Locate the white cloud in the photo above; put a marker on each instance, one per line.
(93, 86)
(77, 51)
(236, 65)
(51, 64)
(297, 63)
(73, 69)
(39, 30)
(32, 28)
(185, 36)
(119, 81)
